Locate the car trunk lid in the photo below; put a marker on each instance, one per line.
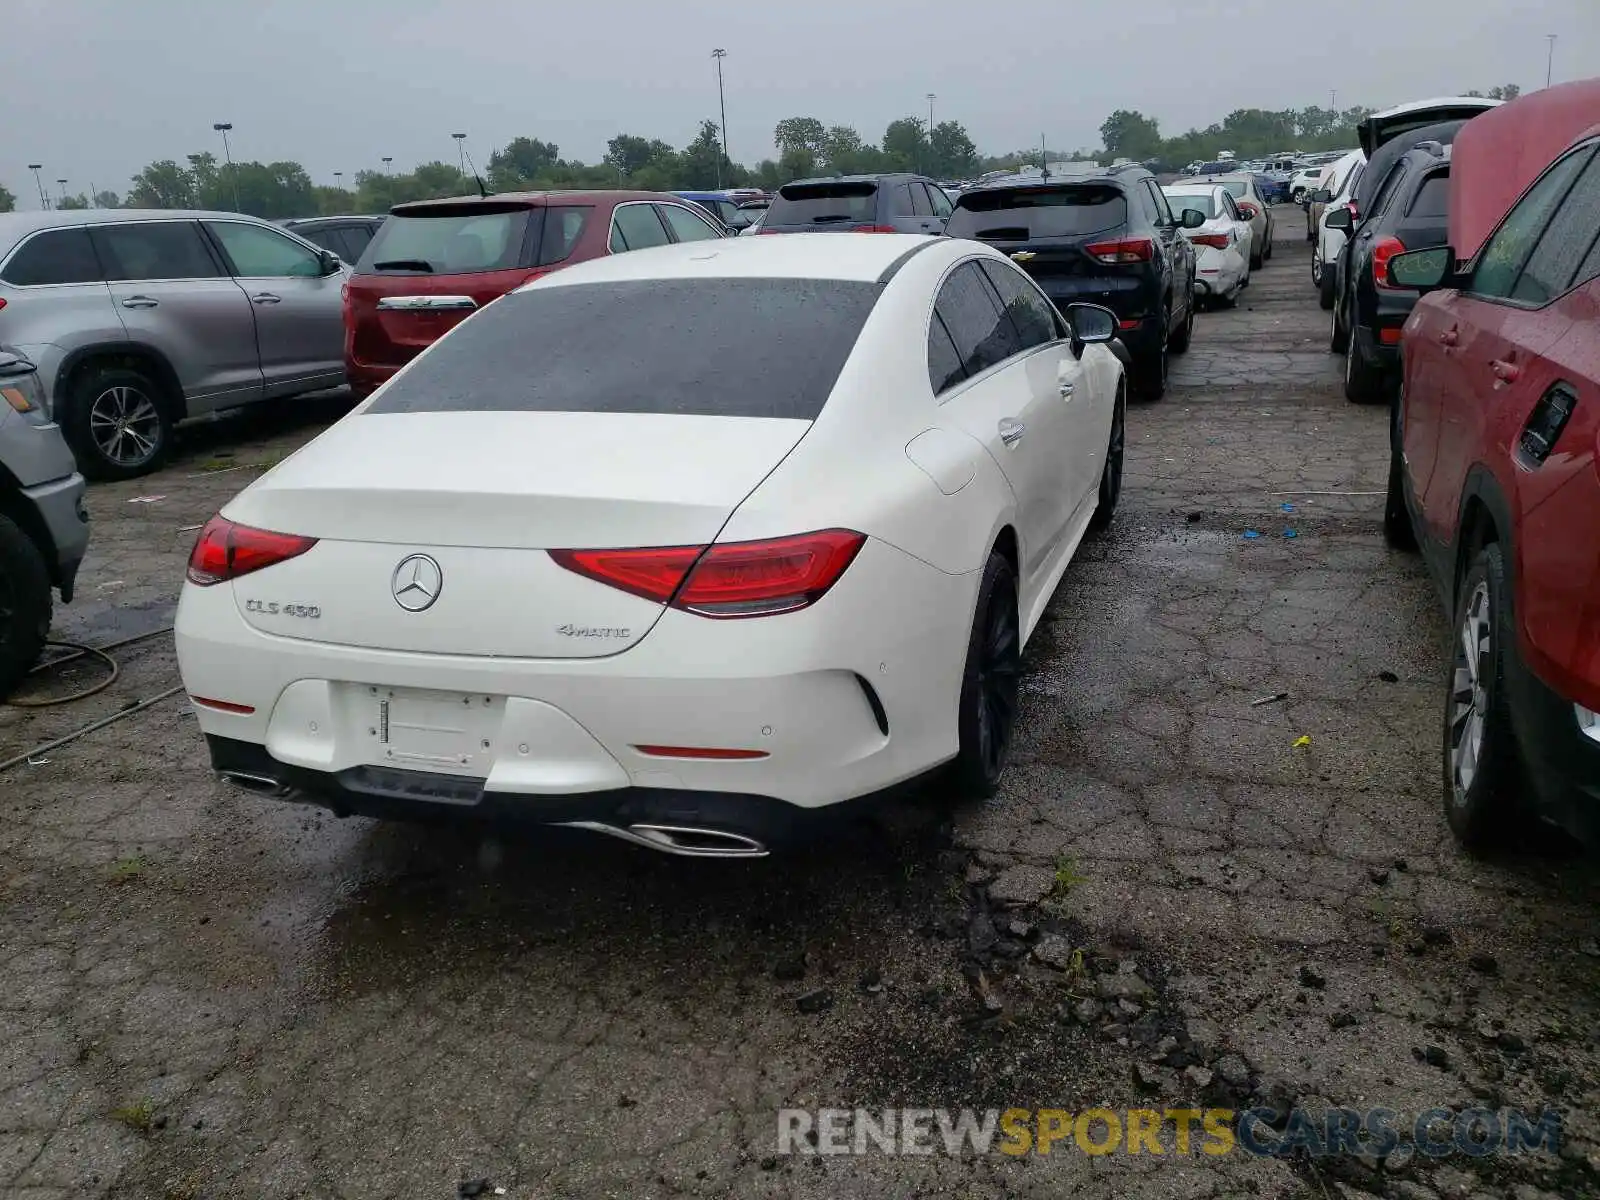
(481, 497)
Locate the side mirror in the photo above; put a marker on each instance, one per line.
(1193, 218)
(1321, 196)
(1339, 218)
(1422, 269)
(1091, 324)
(330, 262)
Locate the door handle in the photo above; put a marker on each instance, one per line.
(140, 302)
(1449, 337)
(1505, 372)
(265, 298)
(1011, 431)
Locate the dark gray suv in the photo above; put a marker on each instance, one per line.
(859, 204)
(43, 527)
(138, 319)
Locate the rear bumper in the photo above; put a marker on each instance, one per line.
(853, 695)
(676, 820)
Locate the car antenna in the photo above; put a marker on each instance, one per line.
(1044, 159)
(476, 178)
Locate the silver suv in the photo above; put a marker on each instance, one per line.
(43, 527)
(138, 319)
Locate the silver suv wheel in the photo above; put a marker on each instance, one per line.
(125, 426)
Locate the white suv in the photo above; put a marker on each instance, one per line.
(1336, 192)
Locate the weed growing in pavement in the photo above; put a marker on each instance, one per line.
(138, 1116)
(126, 870)
(1067, 876)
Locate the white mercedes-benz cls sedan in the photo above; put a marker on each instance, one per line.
(685, 546)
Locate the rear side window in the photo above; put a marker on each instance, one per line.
(55, 256)
(448, 240)
(854, 203)
(1500, 261)
(982, 333)
(155, 250)
(1033, 316)
(944, 363)
(1035, 213)
(563, 226)
(1432, 198)
(709, 347)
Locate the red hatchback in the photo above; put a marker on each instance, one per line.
(433, 263)
(1496, 463)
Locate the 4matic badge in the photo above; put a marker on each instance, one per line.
(593, 631)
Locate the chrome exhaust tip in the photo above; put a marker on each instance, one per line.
(258, 785)
(686, 841)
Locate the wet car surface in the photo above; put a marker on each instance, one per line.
(209, 994)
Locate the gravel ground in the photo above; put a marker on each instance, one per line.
(1171, 902)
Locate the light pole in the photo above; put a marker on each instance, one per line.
(63, 184)
(461, 151)
(930, 98)
(387, 159)
(719, 54)
(1550, 58)
(222, 127)
(44, 201)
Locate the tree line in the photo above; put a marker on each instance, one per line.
(805, 145)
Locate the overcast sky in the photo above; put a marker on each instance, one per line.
(95, 89)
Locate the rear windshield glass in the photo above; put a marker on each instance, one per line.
(711, 347)
(1203, 202)
(1028, 214)
(1432, 197)
(1236, 188)
(448, 241)
(824, 204)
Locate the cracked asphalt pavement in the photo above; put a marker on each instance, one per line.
(1174, 899)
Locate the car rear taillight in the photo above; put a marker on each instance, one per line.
(225, 550)
(764, 229)
(733, 579)
(1382, 251)
(1122, 250)
(873, 229)
(1218, 241)
(1249, 211)
(2, 301)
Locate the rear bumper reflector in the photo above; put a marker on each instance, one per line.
(226, 706)
(699, 752)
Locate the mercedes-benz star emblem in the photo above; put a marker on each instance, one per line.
(417, 582)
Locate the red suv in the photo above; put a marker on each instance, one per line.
(1496, 461)
(434, 262)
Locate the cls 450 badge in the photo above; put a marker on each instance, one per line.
(270, 608)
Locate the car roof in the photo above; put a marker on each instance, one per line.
(862, 257)
(874, 177)
(530, 199)
(18, 224)
(298, 222)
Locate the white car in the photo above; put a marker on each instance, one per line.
(1306, 180)
(1222, 244)
(1340, 187)
(1253, 207)
(682, 546)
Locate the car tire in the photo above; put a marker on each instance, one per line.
(1184, 334)
(1316, 267)
(118, 422)
(987, 714)
(1339, 337)
(1326, 285)
(1111, 473)
(1482, 770)
(25, 604)
(1266, 251)
(1153, 370)
(1363, 381)
(1397, 528)
(1255, 259)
